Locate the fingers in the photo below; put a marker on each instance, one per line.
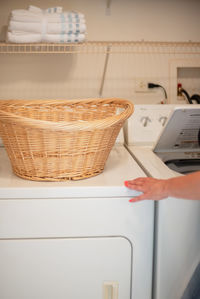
(136, 199)
(134, 183)
(141, 197)
(137, 184)
(151, 188)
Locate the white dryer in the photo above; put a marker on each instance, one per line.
(177, 221)
(75, 239)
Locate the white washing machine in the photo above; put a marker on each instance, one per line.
(75, 239)
(177, 221)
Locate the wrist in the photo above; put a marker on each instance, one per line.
(166, 187)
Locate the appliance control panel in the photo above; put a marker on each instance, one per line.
(146, 123)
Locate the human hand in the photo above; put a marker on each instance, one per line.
(154, 189)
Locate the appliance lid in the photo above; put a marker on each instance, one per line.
(182, 131)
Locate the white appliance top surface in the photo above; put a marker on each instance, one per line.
(120, 166)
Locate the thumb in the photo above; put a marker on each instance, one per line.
(138, 198)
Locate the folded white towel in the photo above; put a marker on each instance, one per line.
(62, 18)
(18, 37)
(23, 15)
(64, 38)
(46, 27)
(57, 9)
(51, 25)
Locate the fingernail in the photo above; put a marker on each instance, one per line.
(130, 200)
(125, 183)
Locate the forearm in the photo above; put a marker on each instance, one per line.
(187, 186)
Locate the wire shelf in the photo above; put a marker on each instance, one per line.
(90, 47)
(96, 69)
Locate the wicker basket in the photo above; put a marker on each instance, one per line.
(55, 140)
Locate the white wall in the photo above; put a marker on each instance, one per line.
(70, 76)
(166, 20)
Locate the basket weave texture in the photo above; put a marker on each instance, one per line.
(55, 140)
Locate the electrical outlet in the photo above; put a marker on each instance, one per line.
(141, 85)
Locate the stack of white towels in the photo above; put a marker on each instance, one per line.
(52, 25)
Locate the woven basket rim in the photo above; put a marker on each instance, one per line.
(9, 117)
